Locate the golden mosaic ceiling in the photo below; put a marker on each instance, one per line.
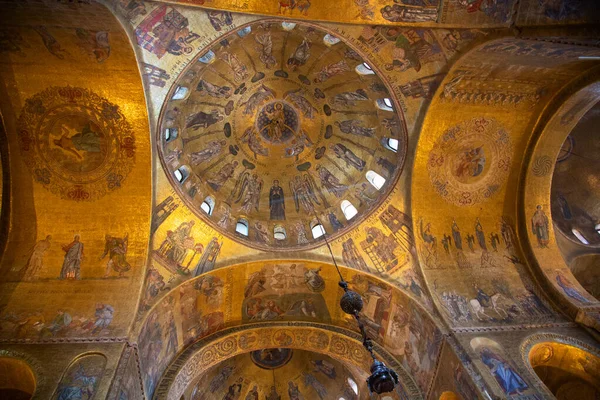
(278, 373)
(278, 127)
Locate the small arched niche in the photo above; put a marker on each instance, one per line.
(17, 380)
(567, 371)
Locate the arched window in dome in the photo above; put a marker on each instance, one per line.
(597, 228)
(180, 93)
(288, 26)
(375, 179)
(171, 134)
(353, 385)
(348, 209)
(207, 57)
(244, 31)
(279, 232)
(317, 230)
(241, 227)
(390, 144)
(181, 173)
(579, 236)
(208, 205)
(364, 69)
(385, 104)
(330, 40)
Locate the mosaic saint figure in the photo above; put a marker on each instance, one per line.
(80, 386)
(347, 99)
(35, 264)
(262, 235)
(300, 55)
(303, 189)
(116, 249)
(219, 19)
(313, 280)
(300, 233)
(177, 242)
(456, 235)
(355, 127)
(225, 216)
(104, 316)
(72, 262)
(325, 367)
(273, 395)
(95, 43)
(265, 50)
(301, 103)
(331, 182)
(540, 228)
(480, 235)
(509, 380)
(219, 179)
(311, 380)
(248, 189)
(219, 380)
(254, 143)
(294, 392)
(331, 70)
(252, 394)
(276, 202)
(258, 97)
(234, 391)
(276, 123)
(568, 288)
(348, 156)
(212, 150)
(334, 221)
(203, 120)
(297, 145)
(214, 90)
(401, 13)
(172, 157)
(87, 141)
(240, 71)
(472, 162)
(507, 232)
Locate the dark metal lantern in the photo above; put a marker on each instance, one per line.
(351, 302)
(382, 379)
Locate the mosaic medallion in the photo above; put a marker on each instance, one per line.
(271, 358)
(77, 144)
(469, 163)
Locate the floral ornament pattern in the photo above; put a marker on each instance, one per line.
(78, 145)
(470, 162)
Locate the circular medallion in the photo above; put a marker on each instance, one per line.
(469, 163)
(77, 144)
(271, 358)
(277, 122)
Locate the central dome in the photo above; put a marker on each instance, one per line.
(281, 131)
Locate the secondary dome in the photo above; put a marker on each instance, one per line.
(278, 374)
(280, 131)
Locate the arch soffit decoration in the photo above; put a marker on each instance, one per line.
(336, 323)
(547, 337)
(546, 255)
(341, 344)
(431, 315)
(34, 365)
